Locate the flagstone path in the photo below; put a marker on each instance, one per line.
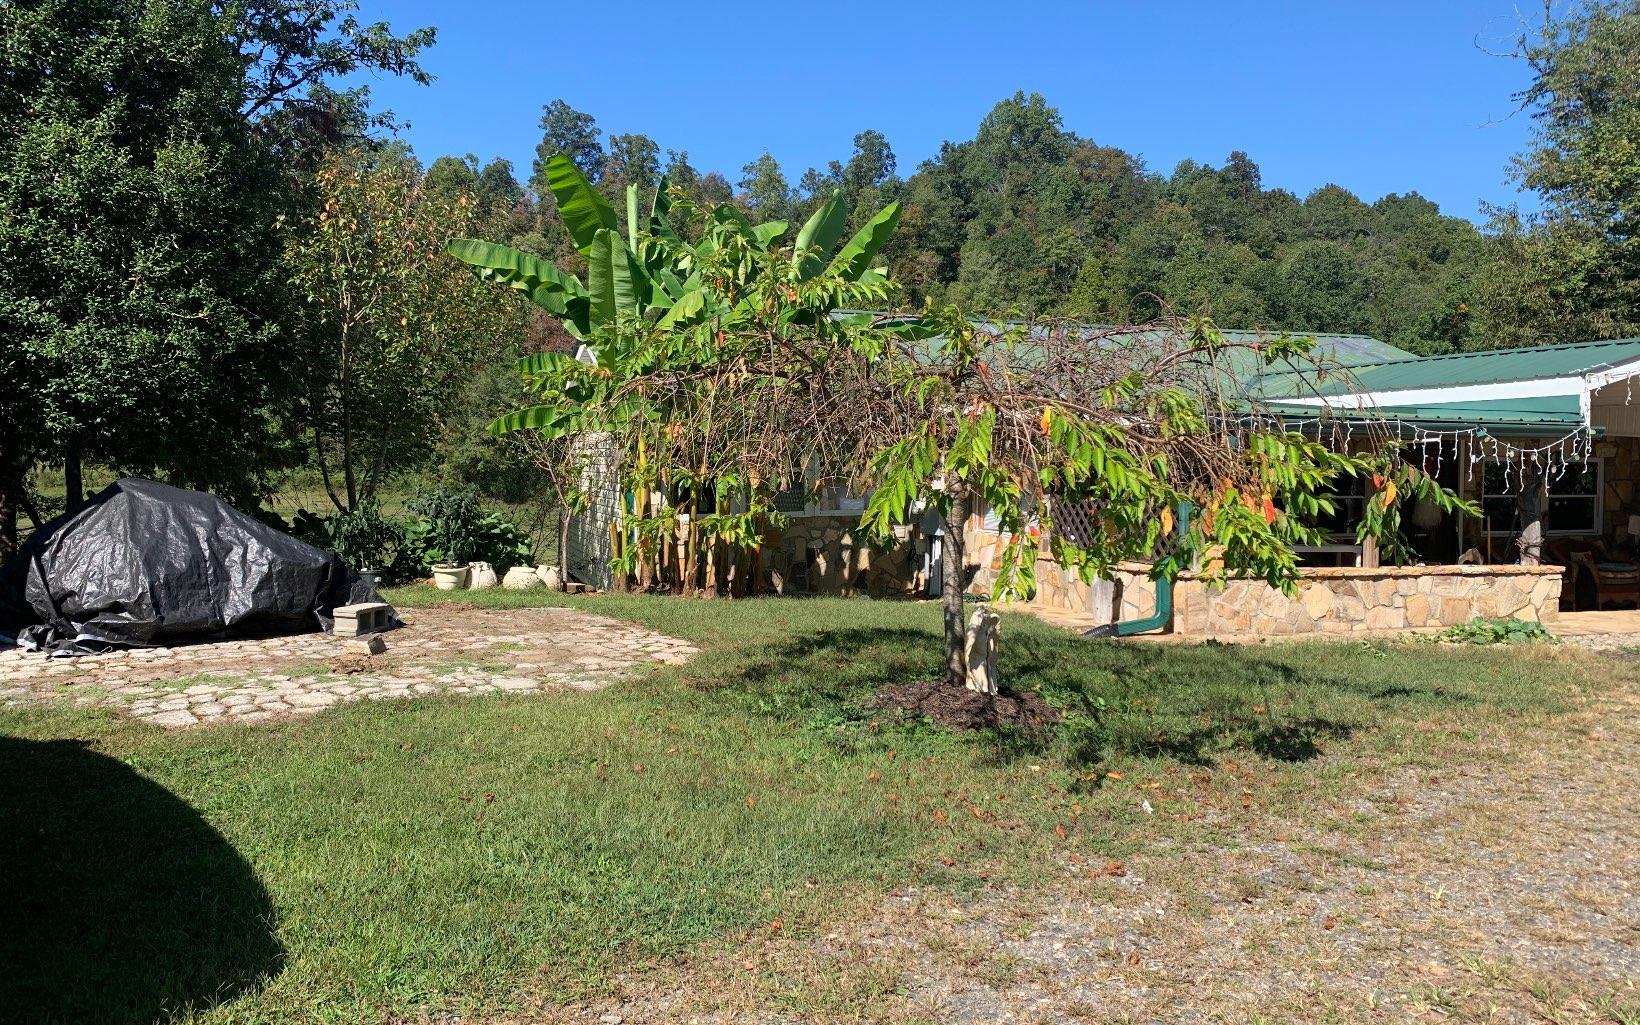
(438, 651)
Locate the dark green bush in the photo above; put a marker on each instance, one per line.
(364, 538)
(453, 527)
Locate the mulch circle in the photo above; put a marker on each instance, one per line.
(964, 709)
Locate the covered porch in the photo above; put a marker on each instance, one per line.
(1546, 443)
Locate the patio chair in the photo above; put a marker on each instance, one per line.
(1592, 570)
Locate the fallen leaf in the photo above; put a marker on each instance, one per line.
(1113, 775)
(1115, 868)
(1060, 832)
(1329, 922)
(939, 817)
(751, 802)
(775, 925)
(407, 747)
(874, 775)
(948, 861)
(1132, 958)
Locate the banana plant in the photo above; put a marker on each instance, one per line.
(652, 275)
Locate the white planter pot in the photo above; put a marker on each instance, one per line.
(550, 576)
(520, 578)
(483, 576)
(448, 576)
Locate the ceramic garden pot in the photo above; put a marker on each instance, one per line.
(481, 576)
(520, 578)
(450, 576)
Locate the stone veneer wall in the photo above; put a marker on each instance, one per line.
(830, 555)
(1329, 601)
(1348, 599)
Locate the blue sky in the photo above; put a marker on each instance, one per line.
(1378, 97)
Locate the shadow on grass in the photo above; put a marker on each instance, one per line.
(118, 903)
(1185, 703)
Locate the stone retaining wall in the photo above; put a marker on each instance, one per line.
(1349, 600)
(830, 555)
(1329, 601)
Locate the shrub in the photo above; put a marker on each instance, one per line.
(364, 538)
(453, 527)
(450, 525)
(1496, 631)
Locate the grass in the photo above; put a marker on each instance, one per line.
(466, 856)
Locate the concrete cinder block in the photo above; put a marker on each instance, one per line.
(364, 618)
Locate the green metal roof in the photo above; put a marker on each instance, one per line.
(1498, 366)
(1343, 350)
(1519, 417)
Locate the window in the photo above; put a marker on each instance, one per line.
(820, 496)
(1574, 498)
(1349, 504)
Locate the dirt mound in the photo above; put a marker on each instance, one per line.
(964, 709)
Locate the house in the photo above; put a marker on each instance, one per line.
(1484, 423)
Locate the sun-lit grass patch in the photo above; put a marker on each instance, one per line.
(456, 854)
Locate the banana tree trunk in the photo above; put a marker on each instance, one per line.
(952, 565)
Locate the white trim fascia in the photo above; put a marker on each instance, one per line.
(1612, 374)
(1600, 379)
(1547, 387)
(1582, 385)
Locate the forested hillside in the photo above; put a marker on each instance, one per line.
(1033, 218)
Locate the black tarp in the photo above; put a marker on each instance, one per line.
(147, 564)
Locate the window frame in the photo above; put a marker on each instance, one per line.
(1598, 497)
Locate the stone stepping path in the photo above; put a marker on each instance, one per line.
(438, 651)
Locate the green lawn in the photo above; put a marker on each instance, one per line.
(461, 855)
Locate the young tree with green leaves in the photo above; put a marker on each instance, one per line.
(1574, 273)
(146, 150)
(731, 385)
(390, 328)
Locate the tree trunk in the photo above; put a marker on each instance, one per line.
(951, 569)
(73, 476)
(563, 547)
(11, 485)
(14, 470)
(1530, 506)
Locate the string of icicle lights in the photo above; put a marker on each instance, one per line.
(1551, 459)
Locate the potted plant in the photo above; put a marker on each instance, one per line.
(449, 528)
(370, 543)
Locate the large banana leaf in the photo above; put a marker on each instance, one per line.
(538, 363)
(767, 232)
(583, 210)
(687, 310)
(553, 421)
(854, 259)
(632, 216)
(820, 234)
(659, 225)
(613, 277)
(519, 269)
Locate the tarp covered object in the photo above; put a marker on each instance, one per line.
(145, 564)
